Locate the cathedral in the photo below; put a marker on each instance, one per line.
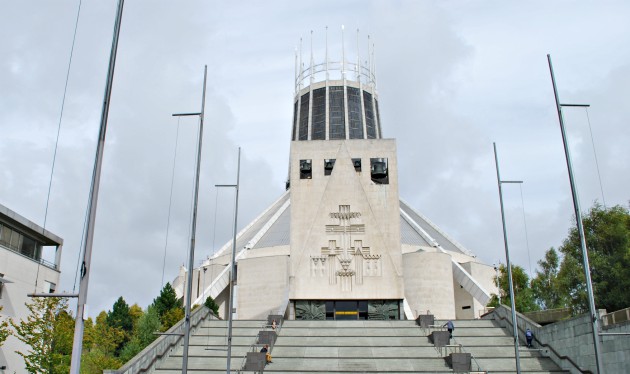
(340, 243)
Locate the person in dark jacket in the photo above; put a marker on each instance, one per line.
(265, 350)
(529, 335)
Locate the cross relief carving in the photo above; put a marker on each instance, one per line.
(345, 259)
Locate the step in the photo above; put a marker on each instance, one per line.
(357, 365)
(282, 351)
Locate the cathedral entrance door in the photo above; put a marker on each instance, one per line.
(345, 310)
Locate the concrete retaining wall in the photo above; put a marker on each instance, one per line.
(570, 342)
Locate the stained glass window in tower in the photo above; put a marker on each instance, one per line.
(318, 125)
(304, 117)
(370, 124)
(336, 113)
(355, 116)
(378, 118)
(295, 111)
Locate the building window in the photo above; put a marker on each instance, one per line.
(328, 166)
(378, 120)
(306, 169)
(336, 113)
(303, 135)
(356, 162)
(370, 124)
(1, 284)
(318, 125)
(379, 170)
(295, 112)
(51, 287)
(355, 114)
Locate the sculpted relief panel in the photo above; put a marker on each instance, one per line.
(345, 260)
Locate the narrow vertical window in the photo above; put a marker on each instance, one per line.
(378, 119)
(370, 124)
(304, 103)
(355, 116)
(295, 112)
(336, 112)
(329, 164)
(318, 125)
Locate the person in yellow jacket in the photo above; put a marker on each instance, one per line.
(265, 350)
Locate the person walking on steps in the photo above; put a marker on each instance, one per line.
(450, 327)
(529, 335)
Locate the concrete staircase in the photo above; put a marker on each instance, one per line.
(492, 348)
(395, 347)
(355, 347)
(207, 351)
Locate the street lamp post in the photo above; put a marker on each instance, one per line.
(233, 265)
(79, 326)
(507, 259)
(580, 227)
(191, 254)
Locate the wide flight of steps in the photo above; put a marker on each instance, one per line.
(395, 347)
(207, 351)
(355, 347)
(493, 349)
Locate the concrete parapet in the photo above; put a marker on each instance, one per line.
(267, 337)
(569, 343)
(440, 338)
(425, 320)
(255, 361)
(459, 362)
(145, 360)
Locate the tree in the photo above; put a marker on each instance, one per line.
(168, 307)
(4, 330)
(167, 300)
(212, 305)
(120, 316)
(135, 311)
(63, 336)
(144, 334)
(546, 286)
(38, 332)
(171, 317)
(100, 342)
(524, 297)
(607, 235)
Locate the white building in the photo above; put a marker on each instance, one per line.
(340, 243)
(29, 263)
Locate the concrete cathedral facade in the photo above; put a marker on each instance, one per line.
(340, 243)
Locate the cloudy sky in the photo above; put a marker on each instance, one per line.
(453, 77)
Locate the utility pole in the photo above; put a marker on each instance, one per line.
(191, 254)
(233, 263)
(77, 344)
(507, 259)
(580, 227)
